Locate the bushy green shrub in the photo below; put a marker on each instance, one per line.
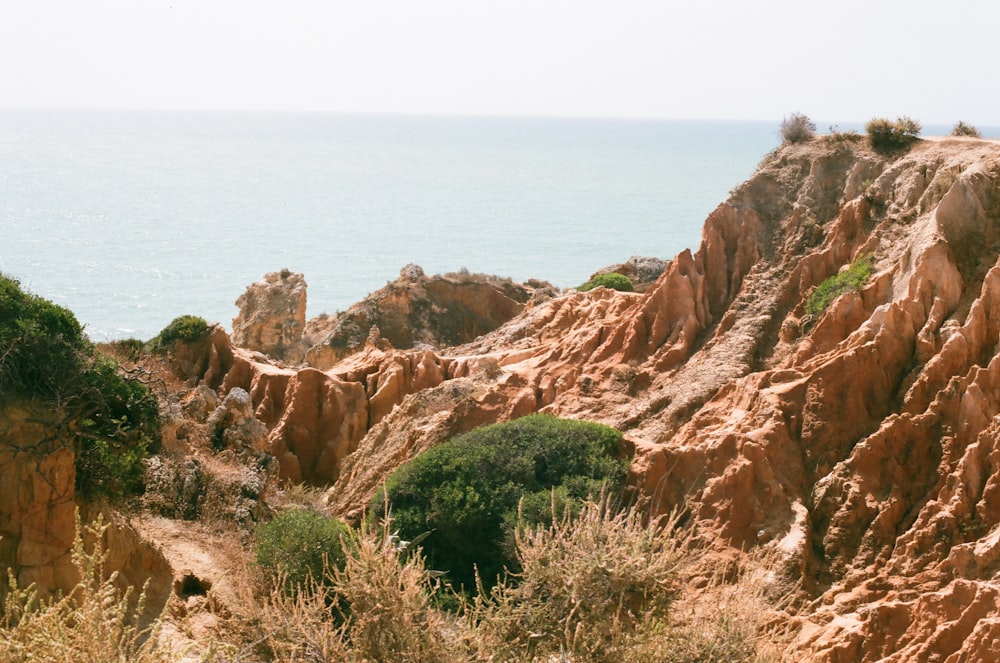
(126, 348)
(186, 328)
(299, 547)
(797, 128)
(40, 343)
(612, 280)
(853, 278)
(120, 425)
(963, 129)
(111, 418)
(466, 491)
(887, 136)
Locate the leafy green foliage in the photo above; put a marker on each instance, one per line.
(299, 547)
(40, 343)
(111, 418)
(466, 491)
(120, 425)
(611, 280)
(887, 136)
(963, 129)
(186, 328)
(853, 278)
(797, 128)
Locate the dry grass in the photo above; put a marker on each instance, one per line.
(587, 587)
(603, 586)
(95, 623)
(378, 608)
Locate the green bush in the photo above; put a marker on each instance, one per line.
(111, 418)
(797, 128)
(299, 547)
(852, 279)
(887, 136)
(120, 425)
(466, 491)
(186, 328)
(40, 344)
(963, 129)
(612, 280)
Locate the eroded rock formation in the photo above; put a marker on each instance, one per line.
(860, 442)
(272, 315)
(420, 311)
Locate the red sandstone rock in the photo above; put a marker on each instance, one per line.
(272, 316)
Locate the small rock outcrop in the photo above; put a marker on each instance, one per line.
(420, 311)
(233, 426)
(272, 316)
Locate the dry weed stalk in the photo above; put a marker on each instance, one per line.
(95, 623)
(377, 608)
(388, 594)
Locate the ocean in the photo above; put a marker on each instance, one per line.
(130, 219)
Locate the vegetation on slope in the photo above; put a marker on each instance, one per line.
(111, 417)
(612, 280)
(851, 279)
(598, 587)
(97, 621)
(299, 547)
(470, 491)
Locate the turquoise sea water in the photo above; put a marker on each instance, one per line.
(133, 218)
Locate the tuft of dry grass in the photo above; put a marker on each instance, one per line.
(96, 622)
(740, 614)
(587, 586)
(379, 607)
(598, 587)
(388, 593)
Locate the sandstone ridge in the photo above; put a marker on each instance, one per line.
(413, 311)
(860, 441)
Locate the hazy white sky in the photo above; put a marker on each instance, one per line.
(847, 60)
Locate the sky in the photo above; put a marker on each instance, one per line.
(725, 59)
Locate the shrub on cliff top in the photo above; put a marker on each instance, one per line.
(466, 491)
(851, 279)
(887, 136)
(110, 417)
(40, 343)
(797, 128)
(612, 280)
(186, 328)
(963, 129)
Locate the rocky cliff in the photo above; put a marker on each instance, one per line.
(420, 311)
(859, 441)
(272, 317)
